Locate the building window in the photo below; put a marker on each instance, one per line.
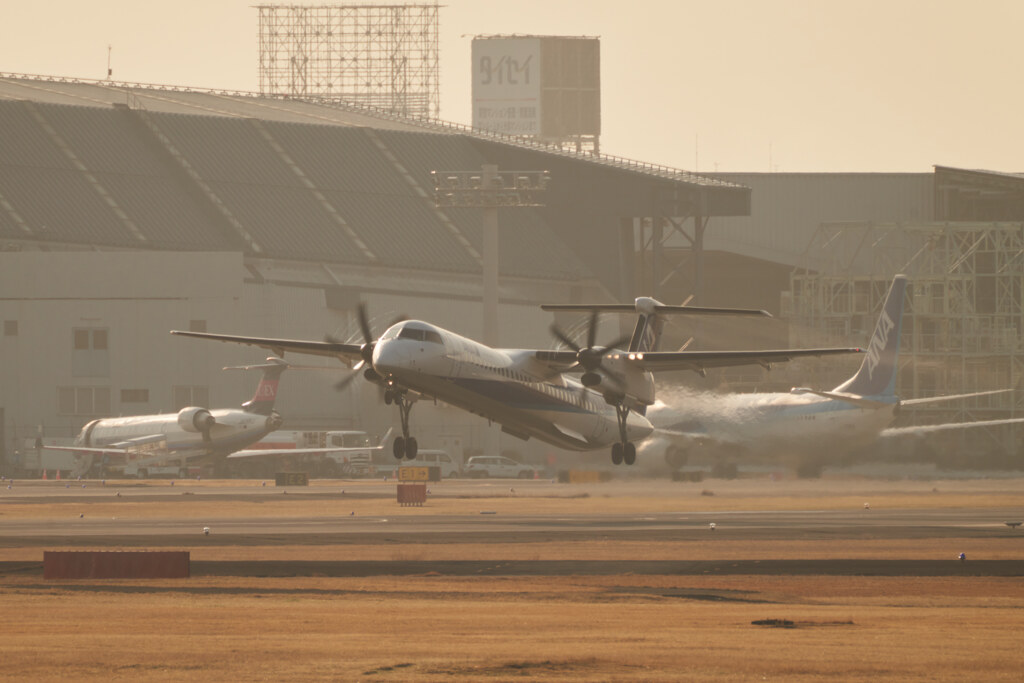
(10, 328)
(197, 326)
(135, 396)
(89, 357)
(91, 401)
(191, 396)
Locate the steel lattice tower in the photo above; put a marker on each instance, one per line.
(383, 56)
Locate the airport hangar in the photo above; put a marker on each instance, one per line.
(128, 210)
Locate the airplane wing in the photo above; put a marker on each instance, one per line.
(951, 397)
(280, 452)
(155, 444)
(698, 361)
(347, 353)
(928, 429)
(558, 361)
(872, 403)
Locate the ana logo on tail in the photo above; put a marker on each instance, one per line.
(878, 343)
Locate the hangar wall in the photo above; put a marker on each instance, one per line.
(135, 367)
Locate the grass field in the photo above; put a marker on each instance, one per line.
(497, 628)
(564, 628)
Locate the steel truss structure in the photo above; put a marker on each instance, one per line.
(964, 317)
(382, 56)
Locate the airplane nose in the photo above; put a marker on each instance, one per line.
(389, 357)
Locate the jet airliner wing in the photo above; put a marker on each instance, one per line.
(951, 397)
(275, 452)
(348, 353)
(927, 429)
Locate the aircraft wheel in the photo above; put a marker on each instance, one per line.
(387, 397)
(398, 447)
(411, 447)
(616, 453)
(629, 453)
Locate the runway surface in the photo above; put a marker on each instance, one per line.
(488, 526)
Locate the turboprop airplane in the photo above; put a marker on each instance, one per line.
(805, 425)
(530, 393)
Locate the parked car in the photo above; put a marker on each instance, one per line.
(497, 466)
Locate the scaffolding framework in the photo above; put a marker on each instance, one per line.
(382, 56)
(963, 321)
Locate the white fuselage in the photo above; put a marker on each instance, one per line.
(775, 424)
(507, 386)
(146, 435)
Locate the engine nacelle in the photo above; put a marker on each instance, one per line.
(675, 457)
(193, 419)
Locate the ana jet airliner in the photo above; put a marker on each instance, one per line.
(804, 425)
(530, 393)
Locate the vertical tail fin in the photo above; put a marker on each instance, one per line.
(647, 333)
(877, 373)
(262, 402)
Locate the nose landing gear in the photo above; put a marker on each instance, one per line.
(405, 446)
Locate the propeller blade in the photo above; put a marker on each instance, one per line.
(592, 330)
(364, 323)
(562, 337)
(343, 383)
(617, 343)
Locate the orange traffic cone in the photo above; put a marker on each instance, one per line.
(44, 475)
(58, 475)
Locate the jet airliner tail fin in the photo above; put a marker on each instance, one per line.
(877, 373)
(262, 402)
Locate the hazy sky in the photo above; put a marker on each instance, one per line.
(746, 85)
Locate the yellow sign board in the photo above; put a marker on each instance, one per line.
(413, 473)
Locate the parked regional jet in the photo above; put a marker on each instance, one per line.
(806, 425)
(530, 393)
(191, 433)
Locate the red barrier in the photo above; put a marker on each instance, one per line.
(412, 494)
(91, 564)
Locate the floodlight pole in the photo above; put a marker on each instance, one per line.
(489, 258)
(488, 189)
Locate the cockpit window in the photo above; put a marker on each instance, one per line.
(420, 335)
(391, 333)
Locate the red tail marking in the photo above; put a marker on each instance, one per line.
(266, 391)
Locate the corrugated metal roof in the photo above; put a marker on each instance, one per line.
(239, 104)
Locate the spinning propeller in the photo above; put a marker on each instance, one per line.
(589, 357)
(365, 350)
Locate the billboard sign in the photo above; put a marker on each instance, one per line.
(506, 85)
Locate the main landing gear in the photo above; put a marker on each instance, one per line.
(405, 446)
(625, 450)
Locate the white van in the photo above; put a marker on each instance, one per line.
(450, 467)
